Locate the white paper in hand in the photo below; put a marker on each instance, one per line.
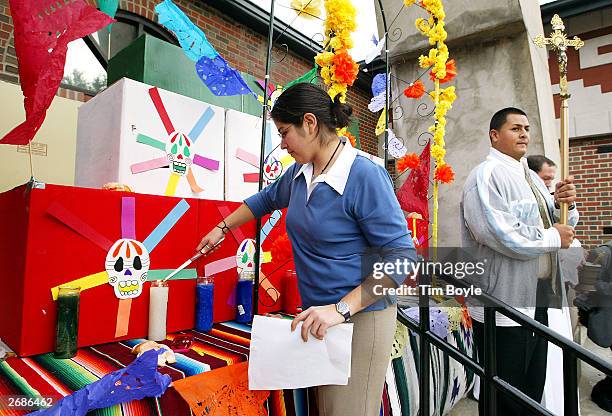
(280, 359)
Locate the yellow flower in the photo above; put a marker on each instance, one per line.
(409, 3)
(437, 152)
(324, 58)
(427, 61)
(325, 74)
(439, 136)
(448, 94)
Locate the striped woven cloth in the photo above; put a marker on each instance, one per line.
(225, 344)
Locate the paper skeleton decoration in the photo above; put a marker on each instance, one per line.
(178, 148)
(127, 260)
(127, 264)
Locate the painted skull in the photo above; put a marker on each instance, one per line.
(245, 255)
(127, 264)
(273, 168)
(178, 151)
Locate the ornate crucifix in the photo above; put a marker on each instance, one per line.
(559, 41)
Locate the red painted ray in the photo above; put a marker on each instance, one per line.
(161, 110)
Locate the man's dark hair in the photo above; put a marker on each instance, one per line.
(536, 162)
(500, 117)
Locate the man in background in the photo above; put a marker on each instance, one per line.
(510, 218)
(544, 167)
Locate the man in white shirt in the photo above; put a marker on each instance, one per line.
(544, 167)
(509, 218)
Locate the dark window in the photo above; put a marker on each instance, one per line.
(606, 148)
(607, 230)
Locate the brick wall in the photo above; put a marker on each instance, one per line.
(593, 174)
(240, 46)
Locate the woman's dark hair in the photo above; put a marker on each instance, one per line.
(303, 98)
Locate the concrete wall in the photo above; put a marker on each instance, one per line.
(497, 67)
(54, 147)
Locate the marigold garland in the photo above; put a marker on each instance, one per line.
(338, 69)
(349, 136)
(444, 173)
(410, 161)
(442, 70)
(415, 90)
(451, 72)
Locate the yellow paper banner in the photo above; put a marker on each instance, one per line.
(172, 183)
(380, 126)
(84, 283)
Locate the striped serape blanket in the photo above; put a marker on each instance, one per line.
(225, 344)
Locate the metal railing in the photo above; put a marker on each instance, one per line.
(490, 383)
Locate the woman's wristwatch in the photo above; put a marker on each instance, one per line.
(343, 309)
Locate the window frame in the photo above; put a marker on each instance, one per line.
(144, 25)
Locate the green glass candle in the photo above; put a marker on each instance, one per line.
(67, 322)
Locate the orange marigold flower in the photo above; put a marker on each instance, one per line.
(345, 68)
(410, 161)
(451, 72)
(352, 139)
(416, 90)
(444, 173)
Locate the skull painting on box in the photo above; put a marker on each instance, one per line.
(178, 153)
(127, 264)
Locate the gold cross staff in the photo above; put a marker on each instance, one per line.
(559, 41)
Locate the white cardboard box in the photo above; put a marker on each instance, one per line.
(242, 153)
(124, 136)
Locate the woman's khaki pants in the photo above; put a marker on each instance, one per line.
(373, 334)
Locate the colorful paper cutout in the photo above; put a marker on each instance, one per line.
(78, 225)
(224, 211)
(310, 76)
(127, 260)
(375, 49)
(220, 78)
(110, 8)
(247, 157)
(190, 37)
(138, 380)
(412, 196)
(267, 227)
(395, 146)
(245, 255)
(218, 266)
(128, 218)
(148, 165)
(250, 177)
(127, 264)
(380, 125)
(123, 317)
(177, 148)
(42, 31)
(222, 392)
(166, 225)
(273, 169)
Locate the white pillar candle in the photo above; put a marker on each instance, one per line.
(158, 310)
